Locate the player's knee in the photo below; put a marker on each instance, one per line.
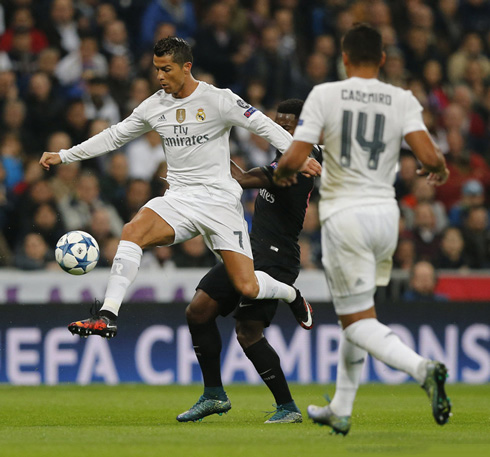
(196, 316)
(131, 232)
(249, 289)
(248, 333)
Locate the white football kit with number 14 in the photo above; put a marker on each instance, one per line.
(363, 123)
(203, 197)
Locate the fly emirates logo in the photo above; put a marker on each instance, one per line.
(182, 138)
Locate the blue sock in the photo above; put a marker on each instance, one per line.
(216, 393)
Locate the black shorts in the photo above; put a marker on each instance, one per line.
(219, 287)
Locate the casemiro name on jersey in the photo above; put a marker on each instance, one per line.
(365, 97)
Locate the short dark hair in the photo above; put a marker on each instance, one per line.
(178, 48)
(363, 44)
(291, 106)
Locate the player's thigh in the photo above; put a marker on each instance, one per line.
(222, 224)
(148, 228)
(217, 285)
(175, 214)
(357, 247)
(240, 269)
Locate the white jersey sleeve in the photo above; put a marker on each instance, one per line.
(413, 116)
(109, 139)
(236, 112)
(310, 132)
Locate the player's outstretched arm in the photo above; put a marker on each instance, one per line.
(255, 178)
(429, 154)
(291, 162)
(48, 159)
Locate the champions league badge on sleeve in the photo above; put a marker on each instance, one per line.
(242, 104)
(250, 111)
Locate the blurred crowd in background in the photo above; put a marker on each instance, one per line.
(71, 68)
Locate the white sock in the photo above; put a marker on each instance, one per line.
(124, 269)
(382, 343)
(270, 288)
(349, 370)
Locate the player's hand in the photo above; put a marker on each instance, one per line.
(434, 178)
(285, 182)
(49, 158)
(311, 168)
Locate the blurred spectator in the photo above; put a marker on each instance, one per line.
(471, 48)
(463, 165)
(76, 124)
(404, 257)
(34, 254)
(394, 71)
(418, 50)
(425, 233)
(22, 18)
(272, 69)
(22, 60)
(307, 260)
(477, 238)
(99, 103)
(472, 195)
(475, 15)
(45, 108)
(84, 62)
(119, 81)
(447, 28)
(422, 191)
(218, 50)
(158, 257)
(108, 249)
(137, 194)
(139, 91)
(64, 182)
(423, 283)
(61, 27)
(114, 185)
(406, 176)
(105, 14)
(452, 253)
(178, 12)
(8, 87)
(435, 87)
(100, 226)
(11, 159)
(46, 221)
(77, 212)
(115, 41)
(13, 122)
(193, 254)
(144, 155)
(317, 71)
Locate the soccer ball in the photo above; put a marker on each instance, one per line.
(77, 252)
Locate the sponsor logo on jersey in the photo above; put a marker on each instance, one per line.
(180, 115)
(267, 196)
(250, 111)
(201, 115)
(242, 104)
(162, 118)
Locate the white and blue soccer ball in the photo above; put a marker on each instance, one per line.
(77, 252)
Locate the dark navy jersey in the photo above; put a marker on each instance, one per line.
(278, 220)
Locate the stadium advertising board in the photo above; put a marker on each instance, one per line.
(154, 346)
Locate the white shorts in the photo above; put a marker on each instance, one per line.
(357, 248)
(217, 216)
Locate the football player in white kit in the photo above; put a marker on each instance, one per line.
(194, 121)
(363, 122)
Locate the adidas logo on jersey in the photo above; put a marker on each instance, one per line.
(162, 118)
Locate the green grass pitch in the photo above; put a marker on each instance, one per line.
(139, 420)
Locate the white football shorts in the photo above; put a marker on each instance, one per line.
(216, 215)
(357, 248)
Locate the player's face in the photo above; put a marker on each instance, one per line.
(170, 74)
(287, 121)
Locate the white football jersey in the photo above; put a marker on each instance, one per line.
(363, 123)
(195, 135)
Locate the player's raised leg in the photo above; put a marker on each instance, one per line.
(259, 285)
(146, 229)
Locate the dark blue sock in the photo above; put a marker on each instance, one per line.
(216, 393)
